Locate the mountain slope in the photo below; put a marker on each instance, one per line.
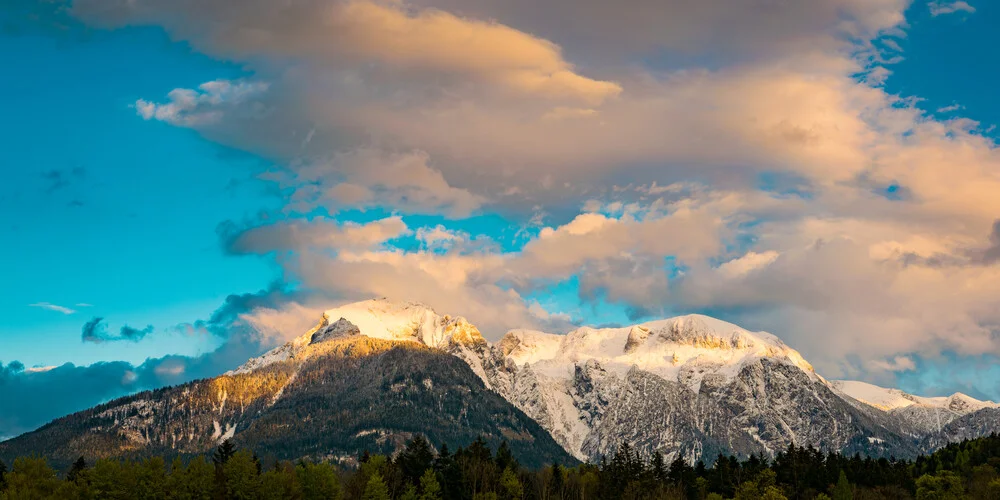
(690, 386)
(329, 400)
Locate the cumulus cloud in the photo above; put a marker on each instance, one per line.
(357, 30)
(201, 106)
(368, 178)
(732, 157)
(939, 8)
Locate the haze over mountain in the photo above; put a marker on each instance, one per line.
(372, 374)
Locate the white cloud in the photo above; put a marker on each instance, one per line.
(201, 106)
(53, 307)
(942, 7)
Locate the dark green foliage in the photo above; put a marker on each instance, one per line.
(415, 459)
(223, 453)
(967, 470)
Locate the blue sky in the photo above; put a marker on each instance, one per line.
(163, 166)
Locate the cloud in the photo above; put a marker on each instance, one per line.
(320, 233)
(53, 307)
(400, 38)
(69, 388)
(940, 7)
(190, 107)
(96, 331)
(991, 254)
(368, 178)
(732, 157)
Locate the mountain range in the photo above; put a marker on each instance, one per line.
(373, 374)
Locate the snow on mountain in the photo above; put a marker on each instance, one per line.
(381, 319)
(917, 415)
(879, 397)
(894, 399)
(685, 348)
(688, 386)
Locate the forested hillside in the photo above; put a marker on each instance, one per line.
(968, 470)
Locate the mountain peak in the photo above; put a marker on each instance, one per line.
(339, 329)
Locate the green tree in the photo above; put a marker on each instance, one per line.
(150, 479)
(112, 480)
(241, 477)
(945, 485)
(318, 481)
(416, 458)
(31, 478)
(192, 482)
(376, 488)
(281, 482)
(842, 491)
(510, 486)
(430, 489)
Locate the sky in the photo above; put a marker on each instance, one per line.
(190, 183)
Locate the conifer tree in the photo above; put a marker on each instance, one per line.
(376, 488)
(842, 491)
(76, 469)
(430, 489)
(223, 453)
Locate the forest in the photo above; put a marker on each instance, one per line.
(966, 470)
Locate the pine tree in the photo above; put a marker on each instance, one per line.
(376, 488)
(76, 469)
(223, 453)
(3, 475)
(658, 468)
(505, 458)
(415, 459)
(430, 489)
(842, 491)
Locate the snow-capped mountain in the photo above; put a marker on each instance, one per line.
(918, 416)
(379, 319)
(690, 386)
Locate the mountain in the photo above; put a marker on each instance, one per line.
(690, 386)
(374, 373)
(329, 394)
(917, 416)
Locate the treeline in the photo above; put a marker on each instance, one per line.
(967, 470)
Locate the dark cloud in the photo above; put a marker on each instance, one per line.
(70, 388)
(135, 334)
(96, 331)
